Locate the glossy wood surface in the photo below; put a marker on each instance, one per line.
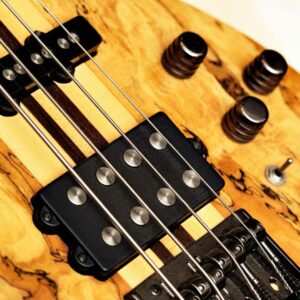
(135, 34)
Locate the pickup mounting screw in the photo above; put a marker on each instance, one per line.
(47, 217)
(82, 257)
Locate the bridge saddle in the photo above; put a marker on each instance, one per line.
(218, 264)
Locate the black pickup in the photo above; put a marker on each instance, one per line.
(81, 226)
(39, 61)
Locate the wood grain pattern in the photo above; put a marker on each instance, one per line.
(135, 33)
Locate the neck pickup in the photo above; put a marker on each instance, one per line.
(41, 63)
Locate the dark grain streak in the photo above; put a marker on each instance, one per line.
(41, 276)
(184, 237)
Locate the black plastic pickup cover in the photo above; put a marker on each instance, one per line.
(23, 85)
(83, 224)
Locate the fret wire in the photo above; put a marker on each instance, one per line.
(105, 114)
(106, 161)
(86, 187)
(140, 111)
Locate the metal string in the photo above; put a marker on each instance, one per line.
(134, 104)
(130, 142)
(108, 163)
(82, 183)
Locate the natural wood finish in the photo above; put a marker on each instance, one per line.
(135, 34)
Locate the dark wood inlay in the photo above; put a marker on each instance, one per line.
(8, 37)
(183, 236)
(162, 252)
(51, 126)
(73, 111)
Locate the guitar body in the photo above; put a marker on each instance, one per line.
(135, 33)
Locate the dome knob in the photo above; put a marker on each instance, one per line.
(182, 58)
(265, 72)
(245, 119)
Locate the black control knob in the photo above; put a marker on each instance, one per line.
(243, 121)
(265, 72)
(183, 57)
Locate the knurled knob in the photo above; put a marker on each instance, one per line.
(265, 72)
(245, 119)
(183, 57)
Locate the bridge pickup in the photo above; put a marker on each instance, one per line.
(81, 226)
(39, 61)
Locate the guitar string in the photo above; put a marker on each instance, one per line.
(108, 163)
(139, 110)
(130, 142)
(82, 183)
(190, 209)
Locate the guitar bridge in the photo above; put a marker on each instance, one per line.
(219, 265)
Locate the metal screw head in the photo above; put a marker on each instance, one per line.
(132, 158)
(36, 58)
(156, 290)
(191, 179)
(63, 43)
(73, 37)
(19, 69)
(139, 215)
(106, 176)
(47, 217)
(82, 257)
(157, 141)
(77, 195)
(46, 53)
(111, 236)
(166, 196)
(9, 74)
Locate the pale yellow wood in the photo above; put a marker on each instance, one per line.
(136, 33)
